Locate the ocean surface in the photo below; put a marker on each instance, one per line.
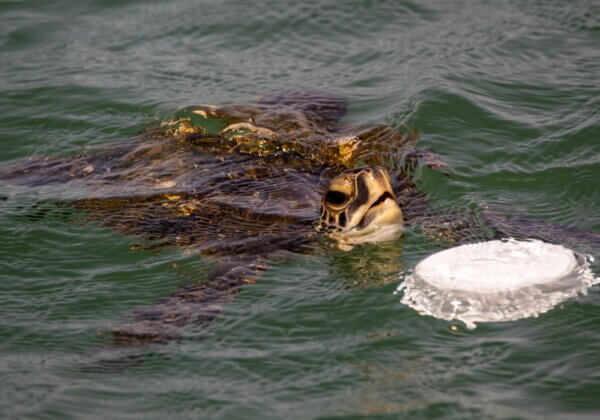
(506, 93)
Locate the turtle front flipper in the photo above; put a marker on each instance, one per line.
(198, 304)
(518, 226)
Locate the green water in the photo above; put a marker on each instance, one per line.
(507, 93)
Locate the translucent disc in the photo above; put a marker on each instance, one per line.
(498, 280)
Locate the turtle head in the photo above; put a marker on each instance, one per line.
(359, 206)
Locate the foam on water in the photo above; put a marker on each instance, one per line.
(498, 280)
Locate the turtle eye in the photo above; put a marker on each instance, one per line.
(335, 197)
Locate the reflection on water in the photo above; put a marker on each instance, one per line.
(366, 267)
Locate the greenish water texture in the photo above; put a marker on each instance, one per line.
(507, 93)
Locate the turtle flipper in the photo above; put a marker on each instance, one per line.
(198, 304)
(42, 171)
(446, 229)
(523, 227)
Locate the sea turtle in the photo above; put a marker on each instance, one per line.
(239, 182)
